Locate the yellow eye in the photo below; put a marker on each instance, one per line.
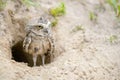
(40, 27)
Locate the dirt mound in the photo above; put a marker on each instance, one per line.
(86, 49)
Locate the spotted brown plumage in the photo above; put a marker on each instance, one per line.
(39, 40)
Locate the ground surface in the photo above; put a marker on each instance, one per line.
(88, 54)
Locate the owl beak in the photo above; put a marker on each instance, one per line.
(46, 30)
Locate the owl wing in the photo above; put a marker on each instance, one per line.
(26, 43)
(52, 48)
(51, 41)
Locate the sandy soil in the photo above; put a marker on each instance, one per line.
(88, 54)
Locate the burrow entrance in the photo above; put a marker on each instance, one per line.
(19, 55)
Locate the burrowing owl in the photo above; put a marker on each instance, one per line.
(39, 40)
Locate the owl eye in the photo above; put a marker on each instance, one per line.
(41, 27)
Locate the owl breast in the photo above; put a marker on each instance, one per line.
(39, 46)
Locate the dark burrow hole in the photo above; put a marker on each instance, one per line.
(19, 55)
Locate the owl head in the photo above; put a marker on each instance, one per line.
(40, 26)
